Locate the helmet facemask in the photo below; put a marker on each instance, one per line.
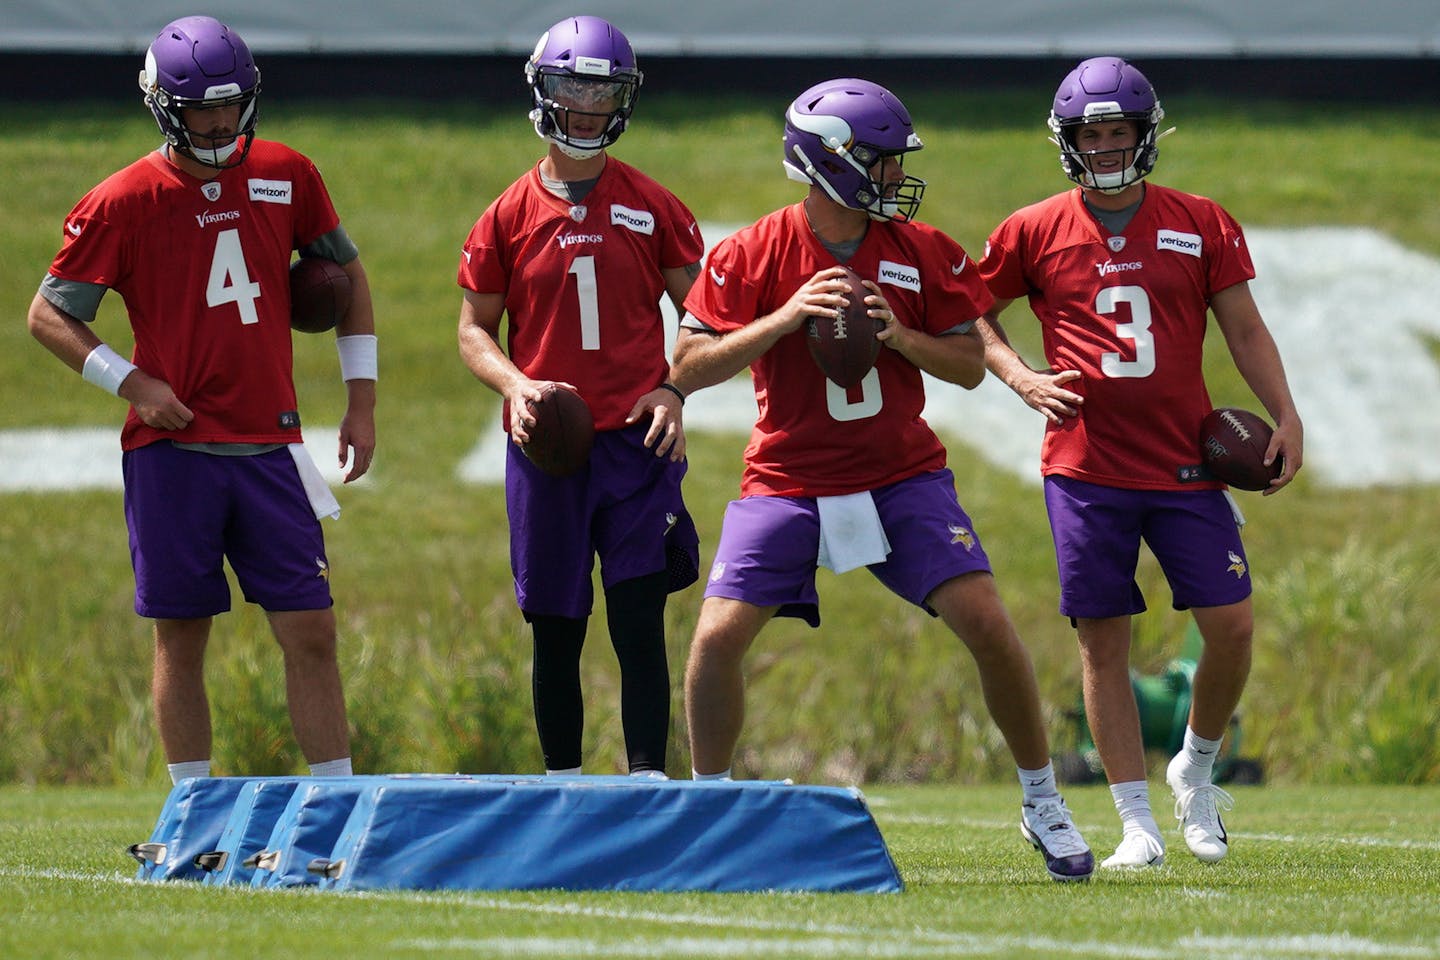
(823, 147)
(1077, 162)
(198, 63)
(566, 101)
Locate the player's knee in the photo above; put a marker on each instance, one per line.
(309, 634)
(1227, 630)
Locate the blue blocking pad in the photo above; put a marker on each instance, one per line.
(252, 819)
(190, 823)
(610, 833)
(522, 833)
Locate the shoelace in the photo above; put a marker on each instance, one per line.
(1202, 805)
(1051, 814)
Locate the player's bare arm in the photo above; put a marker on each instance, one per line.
(1258, 359)
(678, 281)
(357, 426)
(479, 337)
(704, 357)
(1042, 390)
(72, 341)
(665, 405)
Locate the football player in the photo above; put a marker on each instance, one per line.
(197, 236)
(1121, 273)
(845, 478)
(577, 253)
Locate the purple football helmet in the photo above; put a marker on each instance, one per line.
(582, 68)
(837, 131)
(199, 62)
(1104, 89)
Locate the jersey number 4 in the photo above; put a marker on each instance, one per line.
(229, 279)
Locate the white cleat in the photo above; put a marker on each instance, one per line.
(1048, 826)
(1137, 851)
(1197, 807)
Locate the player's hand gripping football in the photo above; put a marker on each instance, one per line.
(824, 294)
(1288, 442)
(521, 394)
(894, 334)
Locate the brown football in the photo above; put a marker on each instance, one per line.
(1233, 444)
(563, 433)
(319, 294)
(844, 344)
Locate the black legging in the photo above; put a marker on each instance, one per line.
(635, 612)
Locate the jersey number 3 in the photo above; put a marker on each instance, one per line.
(1138, 330)
(229, 280)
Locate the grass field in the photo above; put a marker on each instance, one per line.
(1346, 682)
(1334, 873)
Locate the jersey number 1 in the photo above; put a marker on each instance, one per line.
(229, 280)
(589, 293)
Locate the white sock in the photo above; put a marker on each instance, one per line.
(1199, 755)
(722, 775)
(567, 772)
(1132, 802)
(1038, 783)
(332, 768)
(189, 768)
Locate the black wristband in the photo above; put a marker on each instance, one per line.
(675, 390)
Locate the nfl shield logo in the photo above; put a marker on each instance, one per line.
(578, 212)
(1116, 244)
(211, 189)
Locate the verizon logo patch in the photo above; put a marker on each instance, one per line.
(899, 275)
(271, 191)
(1179, 242)
(641, 221)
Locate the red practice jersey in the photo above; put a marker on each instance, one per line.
(813, 438)
(203, 267)
(582, 282)
(1129, 312)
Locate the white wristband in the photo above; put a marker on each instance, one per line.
(106, 369)
(358, 357)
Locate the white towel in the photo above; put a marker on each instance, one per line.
(851, 534)
(322, 501)
(1235, 509)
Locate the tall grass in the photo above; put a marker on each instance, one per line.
(434, 653)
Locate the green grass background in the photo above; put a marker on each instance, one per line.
(1346, 682)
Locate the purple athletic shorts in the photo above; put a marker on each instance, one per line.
(189, 511)
(769, 546)
(1098, 530)
(625, 506)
